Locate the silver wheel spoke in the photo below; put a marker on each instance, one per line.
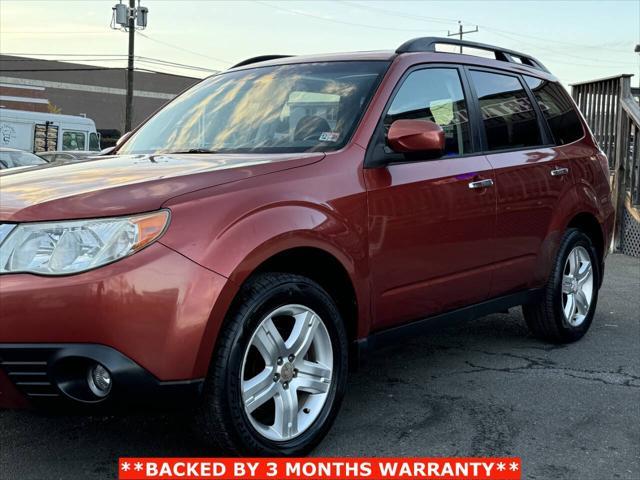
(268, 341)
(313, 378)
(286, 417)
(302, 334)
(584, 273)
(582, 303)
(570, 308)
(566, 284)
(574, 262)
(258, 390)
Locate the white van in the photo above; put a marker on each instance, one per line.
(43, 132)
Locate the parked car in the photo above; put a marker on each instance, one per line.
(41, 132)
(67, 157)
(278, 222)
(13, 158)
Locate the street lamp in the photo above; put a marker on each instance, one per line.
(129, 19)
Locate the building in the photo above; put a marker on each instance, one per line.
(78, 89)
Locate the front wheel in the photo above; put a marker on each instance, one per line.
(279, 372)
(567, 308)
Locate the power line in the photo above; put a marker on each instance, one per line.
(65, 54)
(183, 49)
(92, 69)
(341, 22)
(487, 27)
(403, 15)
(43, 32)
(103, 59)
(562, 54)
(569, 44)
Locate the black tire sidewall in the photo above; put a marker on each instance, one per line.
(574, 239)
(306, 293)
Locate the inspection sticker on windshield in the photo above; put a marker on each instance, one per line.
(329, 136)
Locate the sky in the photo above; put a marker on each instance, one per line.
(576, 40)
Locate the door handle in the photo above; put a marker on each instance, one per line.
(481, 184)
(556, 172)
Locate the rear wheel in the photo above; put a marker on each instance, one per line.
(279, 372)
(566, 310)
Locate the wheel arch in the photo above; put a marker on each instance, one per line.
(332, 269)
(324, 269)
(587, 223)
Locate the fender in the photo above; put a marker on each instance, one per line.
(579, 199)
(319, 232)
(236, 229)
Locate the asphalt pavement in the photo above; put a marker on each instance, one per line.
(484, 389)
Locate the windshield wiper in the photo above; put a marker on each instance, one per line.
(193, 150)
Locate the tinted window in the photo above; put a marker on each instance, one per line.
(14, 158)
(558, 109)
(507, 113)
(435, 94)
(286, 108)
(73, 140)
(94, 143)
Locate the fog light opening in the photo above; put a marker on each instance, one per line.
(99, 380)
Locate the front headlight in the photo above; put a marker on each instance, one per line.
(61, 248)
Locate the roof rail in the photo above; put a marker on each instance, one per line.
(261, 58)
(428, 44)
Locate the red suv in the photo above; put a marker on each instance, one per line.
(278, 221)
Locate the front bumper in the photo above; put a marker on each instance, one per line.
(153, 309)
(56, 374)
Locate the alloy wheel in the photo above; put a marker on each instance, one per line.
(286, 372)
(577, 286)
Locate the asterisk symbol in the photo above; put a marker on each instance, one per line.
(138, 466)
(125, 466)
(514, 466)
(502, 466)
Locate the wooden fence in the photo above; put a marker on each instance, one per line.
(612, 111)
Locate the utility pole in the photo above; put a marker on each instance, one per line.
(128, 19)
(637, 50)
(460, 32)
(132, 35)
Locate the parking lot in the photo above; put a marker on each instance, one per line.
(569, 411)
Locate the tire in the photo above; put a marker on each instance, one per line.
(245, 363)
(552, 318)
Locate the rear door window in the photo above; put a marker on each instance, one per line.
(436, 95)
(557, 109)
(507, 113)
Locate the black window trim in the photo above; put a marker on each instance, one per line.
(377, 140)
(567, 97)
(545, 133)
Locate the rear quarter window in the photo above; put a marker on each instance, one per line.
(557, 109)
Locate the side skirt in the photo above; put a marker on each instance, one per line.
(364, 347)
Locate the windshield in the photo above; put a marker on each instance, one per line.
(11, 159)
(286, 108)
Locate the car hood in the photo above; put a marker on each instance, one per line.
(125, 184)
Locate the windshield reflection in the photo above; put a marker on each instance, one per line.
(287, 108)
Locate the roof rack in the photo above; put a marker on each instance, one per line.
(261, 58)
(428, 44)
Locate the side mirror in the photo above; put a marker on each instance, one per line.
(416, 136)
